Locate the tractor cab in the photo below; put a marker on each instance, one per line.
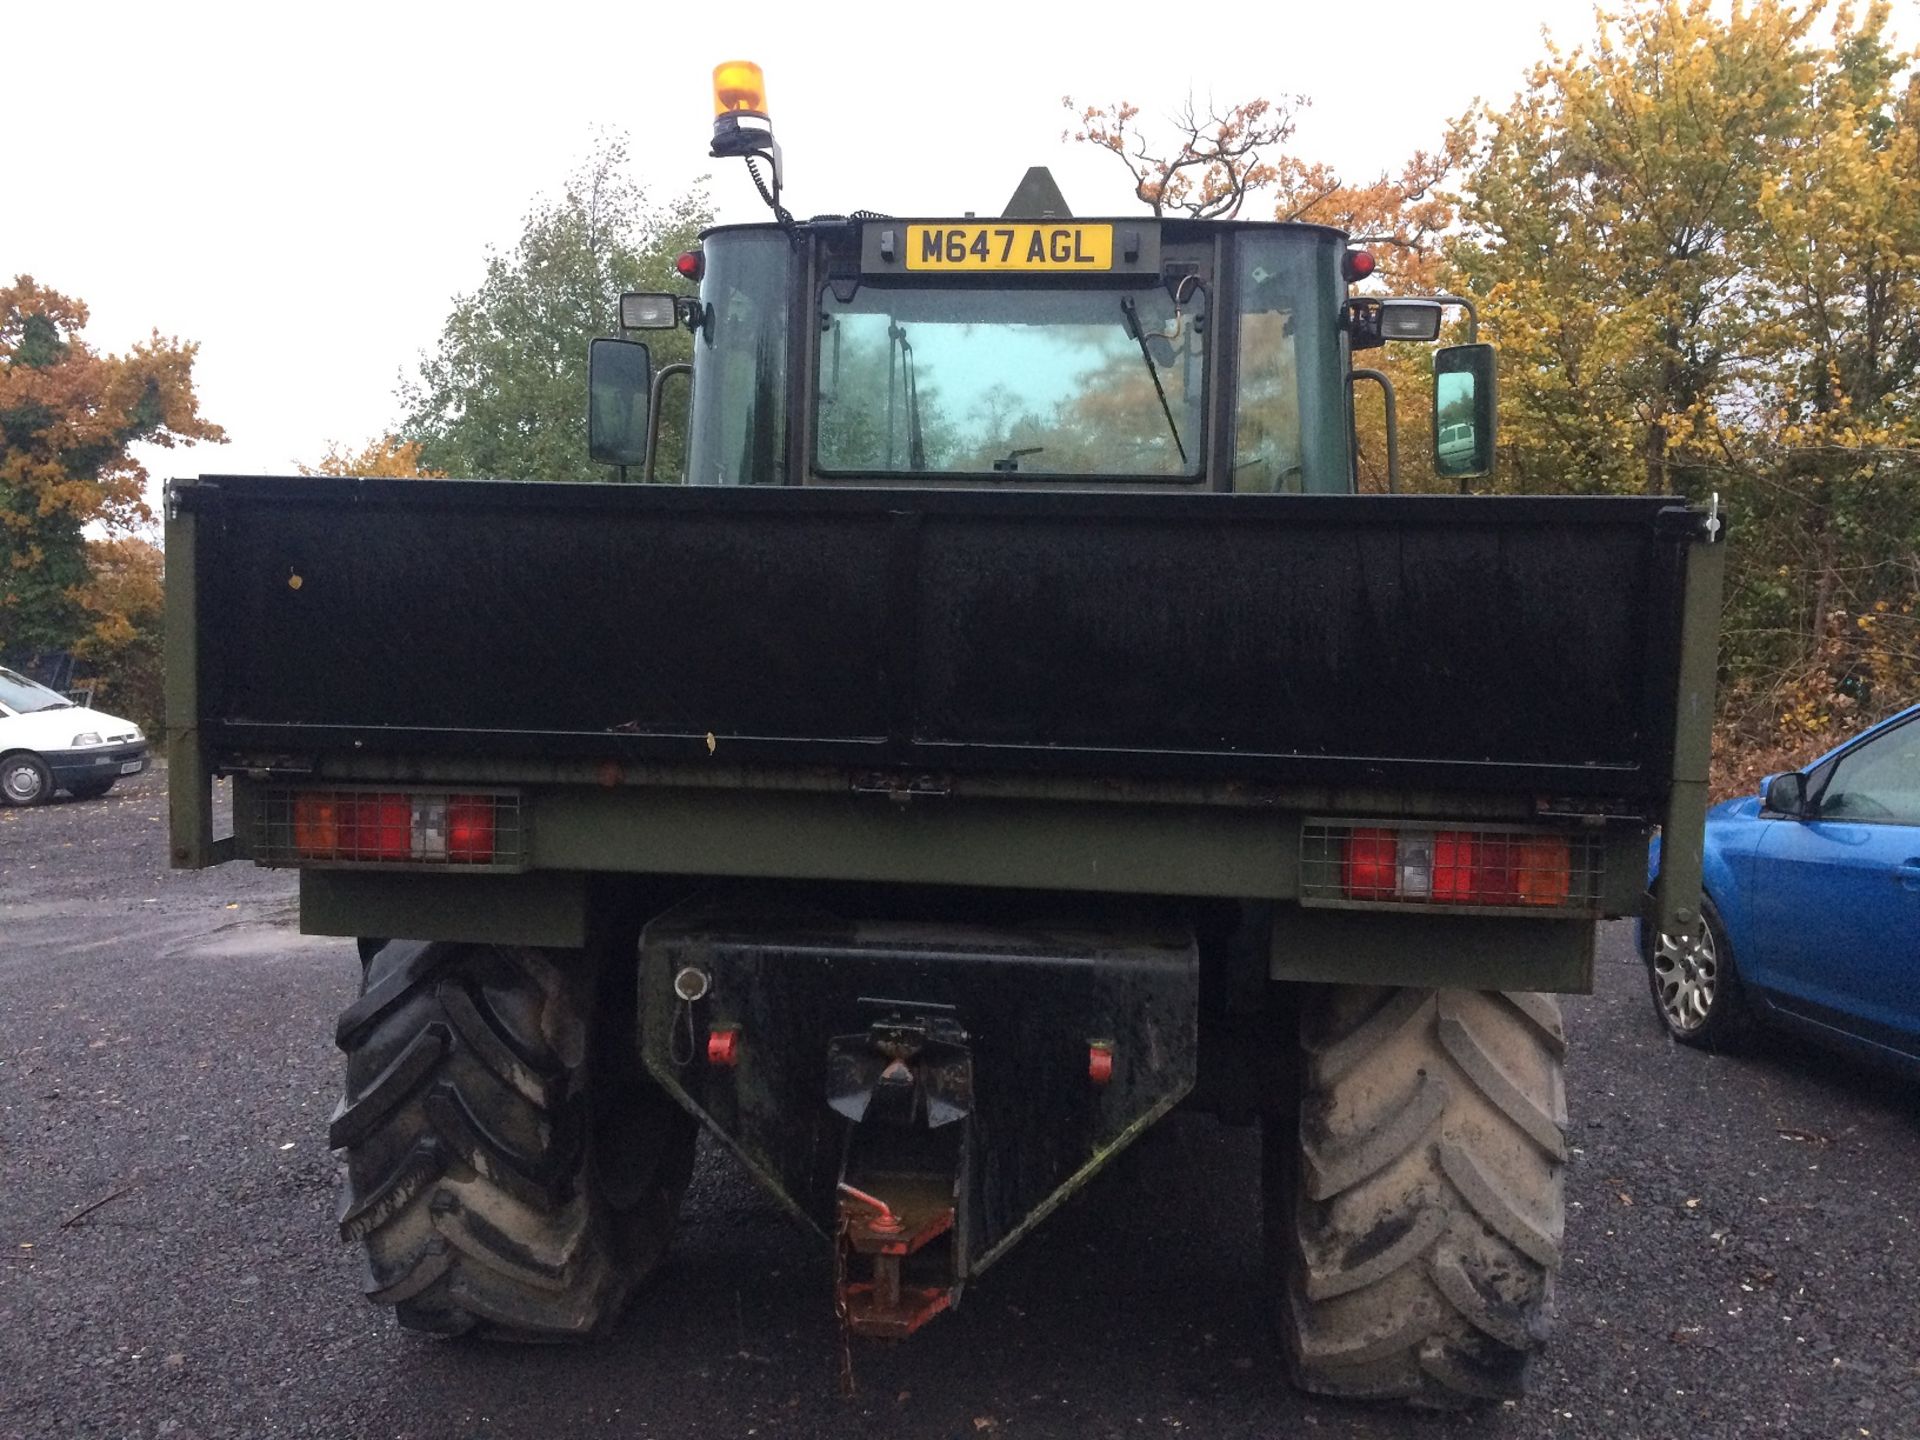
(1033, 350)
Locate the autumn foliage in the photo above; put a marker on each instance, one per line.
(68, 417)
(387, 456)
(1696, 240)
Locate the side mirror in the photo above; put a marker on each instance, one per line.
(619, 387)
(1463, 410)
(1786, 794)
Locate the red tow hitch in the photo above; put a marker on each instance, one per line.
(876, 1238)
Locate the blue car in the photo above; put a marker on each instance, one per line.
(1812, 908)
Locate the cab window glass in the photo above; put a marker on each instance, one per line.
(740, 365)
(1012, 382)
(1878, 781)
(1287, 417)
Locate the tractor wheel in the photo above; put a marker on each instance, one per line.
(1414, 1216)
(511, 1171)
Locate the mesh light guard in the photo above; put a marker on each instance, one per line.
(1506, 849)
(366, 833)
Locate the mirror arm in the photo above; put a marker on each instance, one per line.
(660, 378)
(1393, 425)
(1473, 315)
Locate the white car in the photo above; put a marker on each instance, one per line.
(48, 743)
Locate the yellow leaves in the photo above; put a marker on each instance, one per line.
(385, 456)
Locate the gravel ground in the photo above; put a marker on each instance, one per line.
(1741, 1256)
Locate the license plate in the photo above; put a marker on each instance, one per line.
(1010, 247)
(132, 767)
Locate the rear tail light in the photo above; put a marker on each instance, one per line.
(1369, 864)
(469, 829)
(1420, 866)
(389, 827)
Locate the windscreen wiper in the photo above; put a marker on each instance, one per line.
(1132, 312)
(910, 384)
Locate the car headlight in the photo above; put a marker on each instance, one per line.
(91, 737)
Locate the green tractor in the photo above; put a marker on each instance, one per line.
(1013, 727)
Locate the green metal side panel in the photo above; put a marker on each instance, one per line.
(189, 781)
(1113, 849)
(546, 909)
(1683, 836)
(1439, 951)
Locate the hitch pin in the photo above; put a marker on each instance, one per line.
(884, 1219)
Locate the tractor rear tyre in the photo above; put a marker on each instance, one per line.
(511, 1171)
(1414, 1215)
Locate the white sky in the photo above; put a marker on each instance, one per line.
(303, 188)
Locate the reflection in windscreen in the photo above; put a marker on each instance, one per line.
(1028, 382)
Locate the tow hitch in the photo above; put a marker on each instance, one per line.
(906, 1089)
(921, 1137)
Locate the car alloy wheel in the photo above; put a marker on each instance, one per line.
(1686, 978)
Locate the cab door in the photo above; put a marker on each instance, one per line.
(1837, 895)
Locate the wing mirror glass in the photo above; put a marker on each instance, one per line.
(619, 386)
(1786, 794)
(1463, 410)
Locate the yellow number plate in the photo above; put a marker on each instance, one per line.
(1009, 247)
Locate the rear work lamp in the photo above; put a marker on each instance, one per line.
(648, 310)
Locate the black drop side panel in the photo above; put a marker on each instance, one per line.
(1456, 641)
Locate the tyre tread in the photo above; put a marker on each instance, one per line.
(463, 1128)
(1424, 1229)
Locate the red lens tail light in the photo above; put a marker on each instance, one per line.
(392, 827)
(382, 829)
(1456, 878)
(470, 829)
(1370, 866)
(1458, 867)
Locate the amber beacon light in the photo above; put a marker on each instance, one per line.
(739, 88)
(741, 124)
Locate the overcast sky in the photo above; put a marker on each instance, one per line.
(302, 188)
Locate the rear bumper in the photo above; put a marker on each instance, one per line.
(95, 763)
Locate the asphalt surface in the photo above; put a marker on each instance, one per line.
(1741, 1257)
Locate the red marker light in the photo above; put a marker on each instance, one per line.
(1357, 265)
(1100, 1063)
(723, 1048)
(692, 265)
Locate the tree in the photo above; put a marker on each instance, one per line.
(1698, 237)
(504, 392)
(123, 645)
(1212, 164)
(386, 456)
(68, 416)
